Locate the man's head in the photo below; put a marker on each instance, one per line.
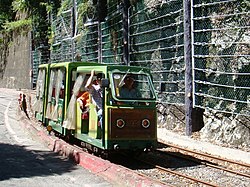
(99, 76)
(129, 81)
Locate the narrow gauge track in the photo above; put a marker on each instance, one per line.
(174, 164)
(180, 176)
(145, 165)
(208, 160)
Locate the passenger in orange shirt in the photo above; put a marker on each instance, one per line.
(83, 100)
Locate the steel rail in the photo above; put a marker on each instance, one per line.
(211, 157)
(206, 164)
(177, 173)
(205, 155)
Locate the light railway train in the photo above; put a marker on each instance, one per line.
(128, 122)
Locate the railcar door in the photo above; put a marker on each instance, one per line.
(38, 105)
(88, 124)
(56, 94)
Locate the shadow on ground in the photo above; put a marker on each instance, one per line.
(19, 162)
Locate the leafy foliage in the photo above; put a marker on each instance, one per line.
(17, 25)
(36, 13)
(6, 13)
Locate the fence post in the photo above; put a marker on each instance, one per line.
(193, 117)
(73, 26)
(125, 25)
(188, 69)
(99, 42)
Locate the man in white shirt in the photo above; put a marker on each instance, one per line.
(94, 88)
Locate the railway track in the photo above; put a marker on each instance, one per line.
(178, 176)
(191, 181)
(197, 169)
(163, 166)
(210, 160)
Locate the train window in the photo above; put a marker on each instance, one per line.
(57, 84)
(73, 75)
(73, 78)
(60, 85)
(40, 83)
(53, 82)
(132, 86)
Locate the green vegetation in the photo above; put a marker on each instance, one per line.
(23, 24)
(23, 15)
(6, 12)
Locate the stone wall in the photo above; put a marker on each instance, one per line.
(229, 130)
(15, 61)
(222, 129)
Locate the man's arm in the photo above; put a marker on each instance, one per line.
(90, 80)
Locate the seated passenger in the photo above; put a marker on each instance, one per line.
(128, 90)
(83, 100)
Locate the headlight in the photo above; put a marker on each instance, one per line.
(120, 123)
(145, 123)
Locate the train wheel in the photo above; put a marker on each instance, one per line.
(57, 134)
(104, 155)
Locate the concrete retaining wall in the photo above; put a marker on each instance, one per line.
(15, 62)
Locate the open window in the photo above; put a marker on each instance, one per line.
(132, 86)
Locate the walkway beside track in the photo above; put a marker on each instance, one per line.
(202, 146)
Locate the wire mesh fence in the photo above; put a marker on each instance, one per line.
(87, 44)
(62, 44)
(111, 35)
(220, 46)
(156, 41)
(39, 56)
(221, 55)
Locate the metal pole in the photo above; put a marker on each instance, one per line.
(73, 23)
(188, 64)
(99, 42)
(125, 32)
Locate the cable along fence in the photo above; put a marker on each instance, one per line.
(221, 55)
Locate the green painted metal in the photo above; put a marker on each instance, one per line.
(40, 115)
(93, 141)
(56, 127)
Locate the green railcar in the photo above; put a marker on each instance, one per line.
(129, 120)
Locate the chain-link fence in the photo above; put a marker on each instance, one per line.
(156, 39)
(40, 55)
(112, 37)
(220, 46)
(221, 55)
